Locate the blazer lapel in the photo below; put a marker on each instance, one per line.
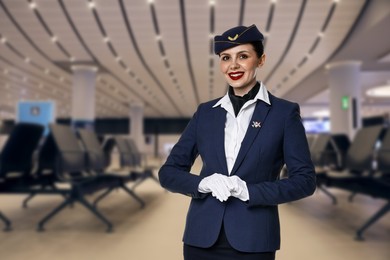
(254, 127)
(219, 137)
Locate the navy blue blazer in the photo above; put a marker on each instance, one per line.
(251, 226)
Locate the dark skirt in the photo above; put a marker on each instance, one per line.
(222, 250)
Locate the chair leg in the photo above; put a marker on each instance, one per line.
(102, 196)
(151, 175)
(94, 211)
(68, 201)
(138, 182)
(6, 221)
(26, 200)
(351, 196)
(33, 194)
(330, 195)
(147, 174)
(372, 220)
(135, 196)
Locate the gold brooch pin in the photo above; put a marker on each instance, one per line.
(233, 38)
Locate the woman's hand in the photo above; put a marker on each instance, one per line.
(222, 187)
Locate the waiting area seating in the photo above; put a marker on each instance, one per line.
(16, 162)
(98, 165)
(68, 163)
(363, 169)
(131, 159)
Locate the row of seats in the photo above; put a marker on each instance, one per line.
(130, 158)
(75, 158)
(360, 166)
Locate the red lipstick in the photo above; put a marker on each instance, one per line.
(236, 75)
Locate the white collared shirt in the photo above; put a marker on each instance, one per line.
(235, 127)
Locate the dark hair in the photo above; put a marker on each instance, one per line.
(259, 48)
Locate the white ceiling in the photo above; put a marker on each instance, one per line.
(159, 53)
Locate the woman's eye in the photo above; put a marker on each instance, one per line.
(243, 56)
(225, 58)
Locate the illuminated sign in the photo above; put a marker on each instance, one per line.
(345, 102)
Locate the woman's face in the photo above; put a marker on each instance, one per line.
(239, 66)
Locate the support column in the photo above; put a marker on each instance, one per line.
(137, 125)
(83, 96)
(344, 97)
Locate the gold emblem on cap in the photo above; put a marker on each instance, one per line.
(233, 38)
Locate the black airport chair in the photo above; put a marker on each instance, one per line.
(361, 175)
(322, 154)
(378, 186)
(71, 168)
(108, 147)
(138, 162)
(97, 164)
(328, 153)
(16, 161)
(45, 172)
(131, 160)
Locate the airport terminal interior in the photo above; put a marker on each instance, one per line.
(94, 95)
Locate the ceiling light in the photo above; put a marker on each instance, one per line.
(212, 2)
(379, 91)
(91, 5)
(273, 1)
(27, 60)
(320, 34)
(71, 58)
(336, 1)
(118, 58)
(150, 1)
(106, 39)
(54, 38)
(3, 40)
(33, 5)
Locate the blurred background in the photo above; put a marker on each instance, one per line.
(140, 68)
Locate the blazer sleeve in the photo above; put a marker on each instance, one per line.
(175, 174)
(301, 181)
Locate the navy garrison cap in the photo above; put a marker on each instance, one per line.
(236, 36)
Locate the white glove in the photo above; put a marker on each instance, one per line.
(239, 188)
(218, 184)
